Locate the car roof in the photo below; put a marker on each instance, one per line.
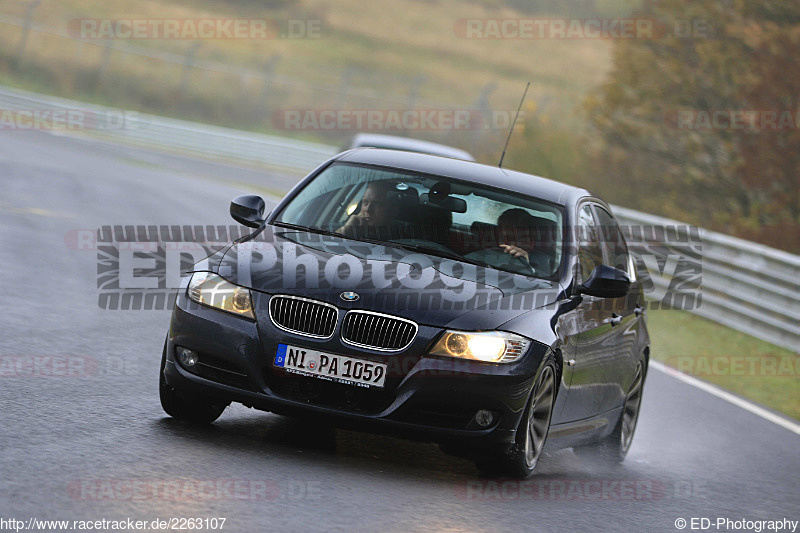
(393, 142)
(501, 178)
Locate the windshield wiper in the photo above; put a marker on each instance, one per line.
(321, 231)
(318, 231)
(437, 252)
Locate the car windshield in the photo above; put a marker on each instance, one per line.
(433, 214)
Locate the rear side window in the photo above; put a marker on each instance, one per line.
(612, 243)
(590, 253)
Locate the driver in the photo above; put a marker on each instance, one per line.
(376, 212)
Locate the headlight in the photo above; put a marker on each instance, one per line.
(212, 290)
(488, 346)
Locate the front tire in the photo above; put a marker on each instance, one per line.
(613, 448)
(521, 458)
(184, 406)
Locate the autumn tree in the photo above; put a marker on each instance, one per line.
(664, 147)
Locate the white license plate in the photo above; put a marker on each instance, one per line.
(330, 367)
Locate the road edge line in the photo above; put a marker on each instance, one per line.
(728, 397)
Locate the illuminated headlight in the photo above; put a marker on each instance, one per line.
(489, 346)
(212, 290)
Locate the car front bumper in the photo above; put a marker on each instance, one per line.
(425, 397)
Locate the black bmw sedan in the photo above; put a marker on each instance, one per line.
(477, 307)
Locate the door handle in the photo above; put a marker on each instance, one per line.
(614, 320)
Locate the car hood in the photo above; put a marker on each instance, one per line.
(425, 288)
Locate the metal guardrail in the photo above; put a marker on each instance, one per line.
(749, 287)
(176, 136)
(744, 285)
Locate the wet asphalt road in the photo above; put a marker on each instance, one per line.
(97, 445)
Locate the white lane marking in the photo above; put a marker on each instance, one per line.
(728, 397)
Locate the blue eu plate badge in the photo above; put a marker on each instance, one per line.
(280, 356)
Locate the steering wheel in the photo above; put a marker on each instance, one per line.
(497, 256)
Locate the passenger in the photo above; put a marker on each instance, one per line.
(530, 238)
(517, 228)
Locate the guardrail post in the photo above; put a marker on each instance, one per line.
(104, 62)
(344, 84)
(413, 91)
(188, 64)
(481, 105)
(23, 41)
(269, 73)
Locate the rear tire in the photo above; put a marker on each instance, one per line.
(520, 459)
(184, 406)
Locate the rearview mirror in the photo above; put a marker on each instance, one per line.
(606, 282)
(448, 203)
(248, 209)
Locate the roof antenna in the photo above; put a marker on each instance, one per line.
(500, 164)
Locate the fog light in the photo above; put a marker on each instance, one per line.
(187, 357)
(484, 418)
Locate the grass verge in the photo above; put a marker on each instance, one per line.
(757, 370)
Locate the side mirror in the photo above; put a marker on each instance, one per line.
(248, 209)
(606, 282)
